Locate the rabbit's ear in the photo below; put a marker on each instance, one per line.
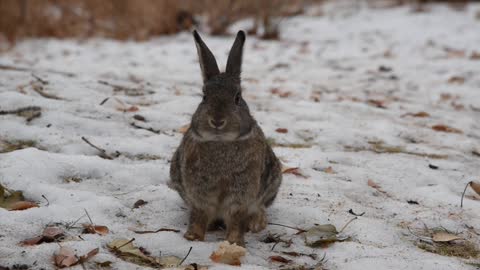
(208, 64)
(234, 62)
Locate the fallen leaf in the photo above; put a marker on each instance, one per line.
(418, 114)
(89, 255)
(475, 56)
(376, 186)
(279, 259)
(183, 129)
(454, 53)
(125, 250)
(377, 103)
(228, 254)
(65, 257)
(293, 170)
(475, 186)
(280, 93)
(456, 80)
(321, 235)
(139, 117)
(281, 130)
(329, 170)
(139, 203)
(442, 236)
(14, 200)
(98, 229)
(49, 234)
(445, 128)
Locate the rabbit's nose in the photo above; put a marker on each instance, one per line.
(217, 123)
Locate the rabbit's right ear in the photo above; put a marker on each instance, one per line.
(208, 64)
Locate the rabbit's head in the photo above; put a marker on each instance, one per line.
(222, 115)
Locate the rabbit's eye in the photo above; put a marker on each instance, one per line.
(204, 98)
(237, 98)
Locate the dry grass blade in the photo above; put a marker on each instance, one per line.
(159, 230)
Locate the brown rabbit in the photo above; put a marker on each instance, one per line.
(224, 168)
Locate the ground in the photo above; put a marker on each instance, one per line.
(359, 91)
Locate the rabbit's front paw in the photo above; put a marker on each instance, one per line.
(194, 236)
(257, 222)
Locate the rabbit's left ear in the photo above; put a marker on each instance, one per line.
(234, 62)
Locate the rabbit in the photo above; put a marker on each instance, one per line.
(224, 169)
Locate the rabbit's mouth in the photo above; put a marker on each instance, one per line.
(215, 135)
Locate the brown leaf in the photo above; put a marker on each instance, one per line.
(377, 103)
(293, 170)
(51, 233)
(376, 186)
(279, 259)
(475, 186)
(445, 128)
(475, 56)
(228, 254)
(418, 114)
(22, 205)
(454, 53)
(280, 93)
(65, 257)
(281, 130)
(329, 170)
(442, 236)
(139, 203)
(132, 109)
(89, 255)
(32, 241)
(456, 80)
(90, 228)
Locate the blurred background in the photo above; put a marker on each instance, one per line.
(142, 19)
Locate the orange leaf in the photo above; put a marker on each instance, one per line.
(279, 259)
(132, 109)
(281, 130)
(329, 170)
(293, 170)
(376, 186)
(90, 228)
(475, 186)
(22, 205)
(445, 128)
(65, 257)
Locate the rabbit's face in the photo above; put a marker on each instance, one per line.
(222, 115)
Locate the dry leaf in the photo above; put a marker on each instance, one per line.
(281, 130)
(183, 129)
(475, 56)
(329, 170)
(49, 234)
(377, 103)
(139, 203)
(132, 109)
(321, 235)
(90, 228)
(475, 186)
(14, 200)
(65, 257)
(292, 170)
(228, 254)
(374, 185)
(89, 255)
(454, 53)
(456, 80)
(442, 236)
(279, 259)
(445, 128)
(418, 114)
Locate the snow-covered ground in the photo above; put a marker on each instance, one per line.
(345, 85)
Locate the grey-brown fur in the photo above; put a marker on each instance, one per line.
(224, 169)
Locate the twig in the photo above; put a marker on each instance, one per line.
(159, 230)
(39, 89)
(103, 101)
(463, 194)
(48, 203)
(103, 152)
(131, 240)
(355, 214)
(185, 256)
(290, 227)
(149, 129)
(39, 79)
(91, 222)
(274, 245)
(23, 69)
(75, 222)
(345, 226)
(426, 239)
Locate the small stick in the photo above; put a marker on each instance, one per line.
(91, 222)
(463, 194)
(39, 90)
(148, 129)
(103, 101)
(103, 152)
(7, 67)
(186, 256)
(159, 230)
(39, 79)
(73, 224)
(131, 240)
(290, 227)
(345, 226)
(355, 214)
(274, 245)
(48, 203)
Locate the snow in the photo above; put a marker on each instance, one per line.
(335, 58)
